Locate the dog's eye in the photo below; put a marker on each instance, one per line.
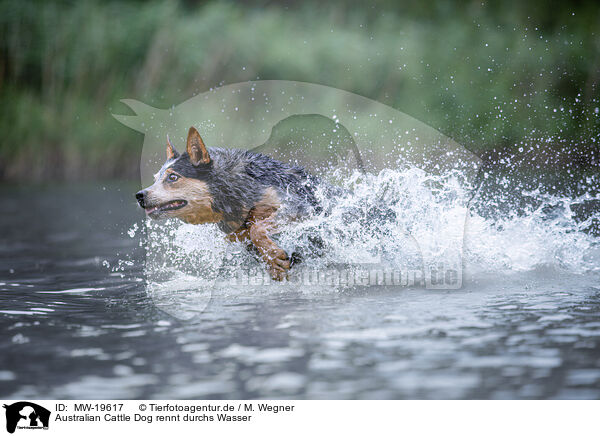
(173, 177)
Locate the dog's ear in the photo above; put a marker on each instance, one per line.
(171, 152)
(196, 148)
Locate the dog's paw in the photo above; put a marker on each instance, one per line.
(279, 265)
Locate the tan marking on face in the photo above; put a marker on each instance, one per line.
(198, 209)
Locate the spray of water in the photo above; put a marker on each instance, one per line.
(395, 220)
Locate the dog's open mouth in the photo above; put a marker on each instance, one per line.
(166, 207)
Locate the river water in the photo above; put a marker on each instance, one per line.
(78, 319)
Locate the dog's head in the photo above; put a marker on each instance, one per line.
(181, 187)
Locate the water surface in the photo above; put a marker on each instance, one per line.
(74, 326)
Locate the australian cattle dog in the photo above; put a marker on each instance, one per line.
(248, 195)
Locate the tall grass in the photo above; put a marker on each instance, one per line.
(489, 79)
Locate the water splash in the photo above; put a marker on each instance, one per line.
(548, 232)
(401, 219)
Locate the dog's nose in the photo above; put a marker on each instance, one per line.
(140, 196)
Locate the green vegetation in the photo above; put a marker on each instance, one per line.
(492, 78)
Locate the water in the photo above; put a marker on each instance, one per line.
(83, 315)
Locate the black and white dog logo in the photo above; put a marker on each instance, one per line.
(26, 415)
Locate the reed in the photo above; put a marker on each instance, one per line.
(492, 79)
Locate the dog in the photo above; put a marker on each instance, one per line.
(248, 195)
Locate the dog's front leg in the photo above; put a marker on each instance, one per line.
(240, 235)
(277, 260)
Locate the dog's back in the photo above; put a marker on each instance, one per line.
(242, 181)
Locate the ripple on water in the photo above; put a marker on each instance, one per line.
(256, 355)
(100, 388)
(575, 331)
(583, 377)
(283, 383)
(503, 361)
(72, 291)
(7, 375)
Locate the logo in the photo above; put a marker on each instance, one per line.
(26, 415)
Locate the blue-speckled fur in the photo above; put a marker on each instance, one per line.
(238, 179)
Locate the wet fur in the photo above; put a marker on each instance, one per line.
(240, 180)
(247, 194)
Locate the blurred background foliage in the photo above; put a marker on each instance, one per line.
(500, 78)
